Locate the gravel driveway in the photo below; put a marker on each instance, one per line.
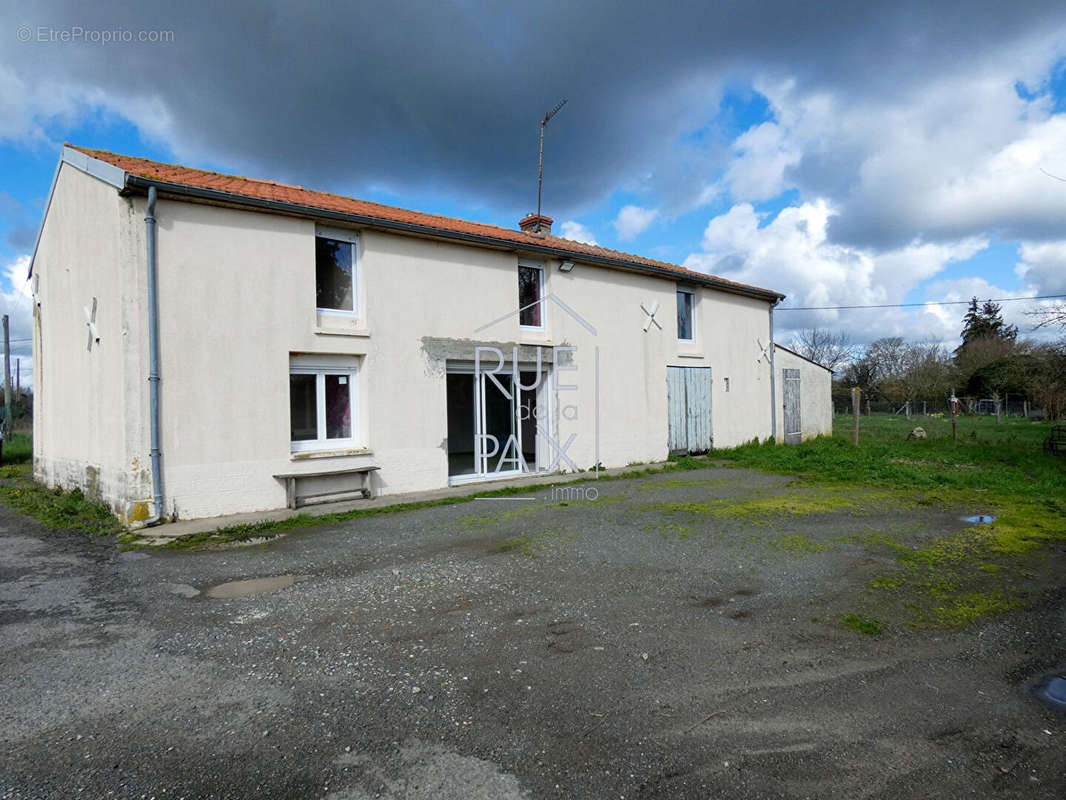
(639, 645)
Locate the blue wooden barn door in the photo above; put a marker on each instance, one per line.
(688, 392)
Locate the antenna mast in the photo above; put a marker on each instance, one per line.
(540, 160)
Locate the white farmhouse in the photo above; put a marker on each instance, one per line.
(207, 344)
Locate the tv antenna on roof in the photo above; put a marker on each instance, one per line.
(540, 161)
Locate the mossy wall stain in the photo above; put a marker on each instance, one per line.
(138, 512)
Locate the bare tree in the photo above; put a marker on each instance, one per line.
(1050, 316)
(824, 347)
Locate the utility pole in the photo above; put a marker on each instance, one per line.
(18, 382)
(7, 381)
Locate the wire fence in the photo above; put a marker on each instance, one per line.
(981, 406)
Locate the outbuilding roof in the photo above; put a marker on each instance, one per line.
(270, 195)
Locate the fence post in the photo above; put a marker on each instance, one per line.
(907, 409)
(855, 392)
(952, 401)
(923, 409)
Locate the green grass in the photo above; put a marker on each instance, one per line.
(1003, 459)
(861, 624)
(54, 507)
(19, 450)
(996, 468)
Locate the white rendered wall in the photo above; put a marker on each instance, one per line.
(237, 298)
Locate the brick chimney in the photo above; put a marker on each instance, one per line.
(530, 222)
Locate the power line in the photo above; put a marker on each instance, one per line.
(919, 305)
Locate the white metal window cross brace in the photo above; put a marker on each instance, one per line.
(651, 316)
(90, 324)
(765, 354)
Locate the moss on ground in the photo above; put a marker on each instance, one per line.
(861, 624)
(534, 545)
(798, 501)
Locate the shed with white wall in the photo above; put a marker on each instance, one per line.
(807, 387)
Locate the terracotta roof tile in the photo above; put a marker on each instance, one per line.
(297, 195)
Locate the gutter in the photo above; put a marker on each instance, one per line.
(181, 190)
(153, 358)
(773, 377)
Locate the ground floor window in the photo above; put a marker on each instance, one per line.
(322, 402)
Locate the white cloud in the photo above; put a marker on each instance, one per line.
(958, 156)
(1043, 264)
(27, 112)
(794, 254)
(633, 220)
(578, 232)
(763, 154)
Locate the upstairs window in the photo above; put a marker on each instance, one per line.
(686, 305)
(335, 276)
(530, 288)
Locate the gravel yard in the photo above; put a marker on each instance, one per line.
(682, 635)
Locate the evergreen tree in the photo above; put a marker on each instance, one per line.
(986, 322)
(983, 330)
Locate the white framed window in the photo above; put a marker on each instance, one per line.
(530, 295)
(323, 402)
(686, 315)
(337, 270)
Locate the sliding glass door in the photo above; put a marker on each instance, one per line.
(493, 423)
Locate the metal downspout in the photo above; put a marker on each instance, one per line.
(153, 359)
(773, 377)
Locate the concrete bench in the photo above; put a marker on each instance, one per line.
(291, 479)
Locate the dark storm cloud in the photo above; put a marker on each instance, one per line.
(447, 96)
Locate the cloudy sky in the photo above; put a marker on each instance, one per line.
(844, 154)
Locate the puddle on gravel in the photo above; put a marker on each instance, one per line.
(979, 519)
(250, 587)
(1052, 692)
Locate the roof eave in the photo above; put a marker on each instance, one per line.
(184, 190)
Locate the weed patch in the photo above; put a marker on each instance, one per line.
(54, 507)
(861, 624)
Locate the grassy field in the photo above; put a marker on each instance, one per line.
(994, 468)
(19, 450)
(1004, 458)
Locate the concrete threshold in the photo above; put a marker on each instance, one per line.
(161, 534)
